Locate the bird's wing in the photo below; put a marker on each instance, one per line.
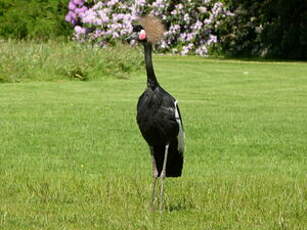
(180, 135)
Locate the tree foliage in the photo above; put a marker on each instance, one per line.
(275, 29)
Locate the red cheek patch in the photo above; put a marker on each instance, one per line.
(142, 36)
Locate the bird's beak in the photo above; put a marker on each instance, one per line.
(131, 37)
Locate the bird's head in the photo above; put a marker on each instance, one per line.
(140, 33)
(149, 29)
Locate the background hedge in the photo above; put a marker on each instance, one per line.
(267, 28)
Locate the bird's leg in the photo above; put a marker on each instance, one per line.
(163, 175)
(155, 176)
(153, 196)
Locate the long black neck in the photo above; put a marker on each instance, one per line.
(152, 81)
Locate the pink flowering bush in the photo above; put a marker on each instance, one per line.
(191, 25)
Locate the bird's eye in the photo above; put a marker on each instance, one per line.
(137, 28)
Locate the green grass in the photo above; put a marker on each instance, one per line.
(71, 155)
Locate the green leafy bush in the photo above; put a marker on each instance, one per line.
(190, 25)
(22, 61)
(33, 19)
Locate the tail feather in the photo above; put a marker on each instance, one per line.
(174, 163)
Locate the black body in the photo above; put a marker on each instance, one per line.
(156, 118)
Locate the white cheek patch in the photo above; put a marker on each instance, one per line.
(180, 136)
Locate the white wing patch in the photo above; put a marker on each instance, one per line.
(180, 136)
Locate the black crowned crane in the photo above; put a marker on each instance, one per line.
(158, 114)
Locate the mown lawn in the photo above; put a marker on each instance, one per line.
(71, 155)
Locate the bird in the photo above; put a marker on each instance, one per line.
(158, 115)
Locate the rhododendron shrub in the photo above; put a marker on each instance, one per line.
(191, 25)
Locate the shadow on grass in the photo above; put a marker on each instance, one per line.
(255, 59)
(179, 205)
